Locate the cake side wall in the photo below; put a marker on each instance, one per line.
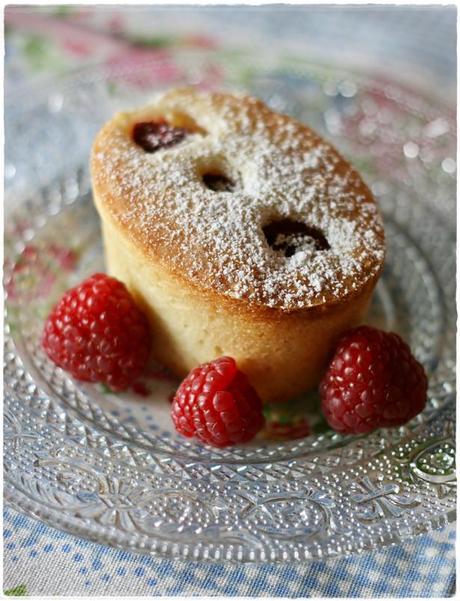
(282, 355)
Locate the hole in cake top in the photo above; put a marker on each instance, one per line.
(155, 135)
(289, 236)
(218, 182)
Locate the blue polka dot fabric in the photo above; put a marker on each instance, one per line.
(39, 560)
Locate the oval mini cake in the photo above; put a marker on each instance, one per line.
(239, 231)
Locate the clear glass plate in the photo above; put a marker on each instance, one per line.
(110, 467)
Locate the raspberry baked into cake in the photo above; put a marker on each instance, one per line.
(239, 232)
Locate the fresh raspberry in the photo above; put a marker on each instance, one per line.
(98, 334)
(217, 404)
(373, 381)
(152, 135)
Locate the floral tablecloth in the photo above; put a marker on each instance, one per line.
(414, 46)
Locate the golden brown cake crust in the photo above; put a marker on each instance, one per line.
(214, 242)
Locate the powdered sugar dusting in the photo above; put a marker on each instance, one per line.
(280, 169)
